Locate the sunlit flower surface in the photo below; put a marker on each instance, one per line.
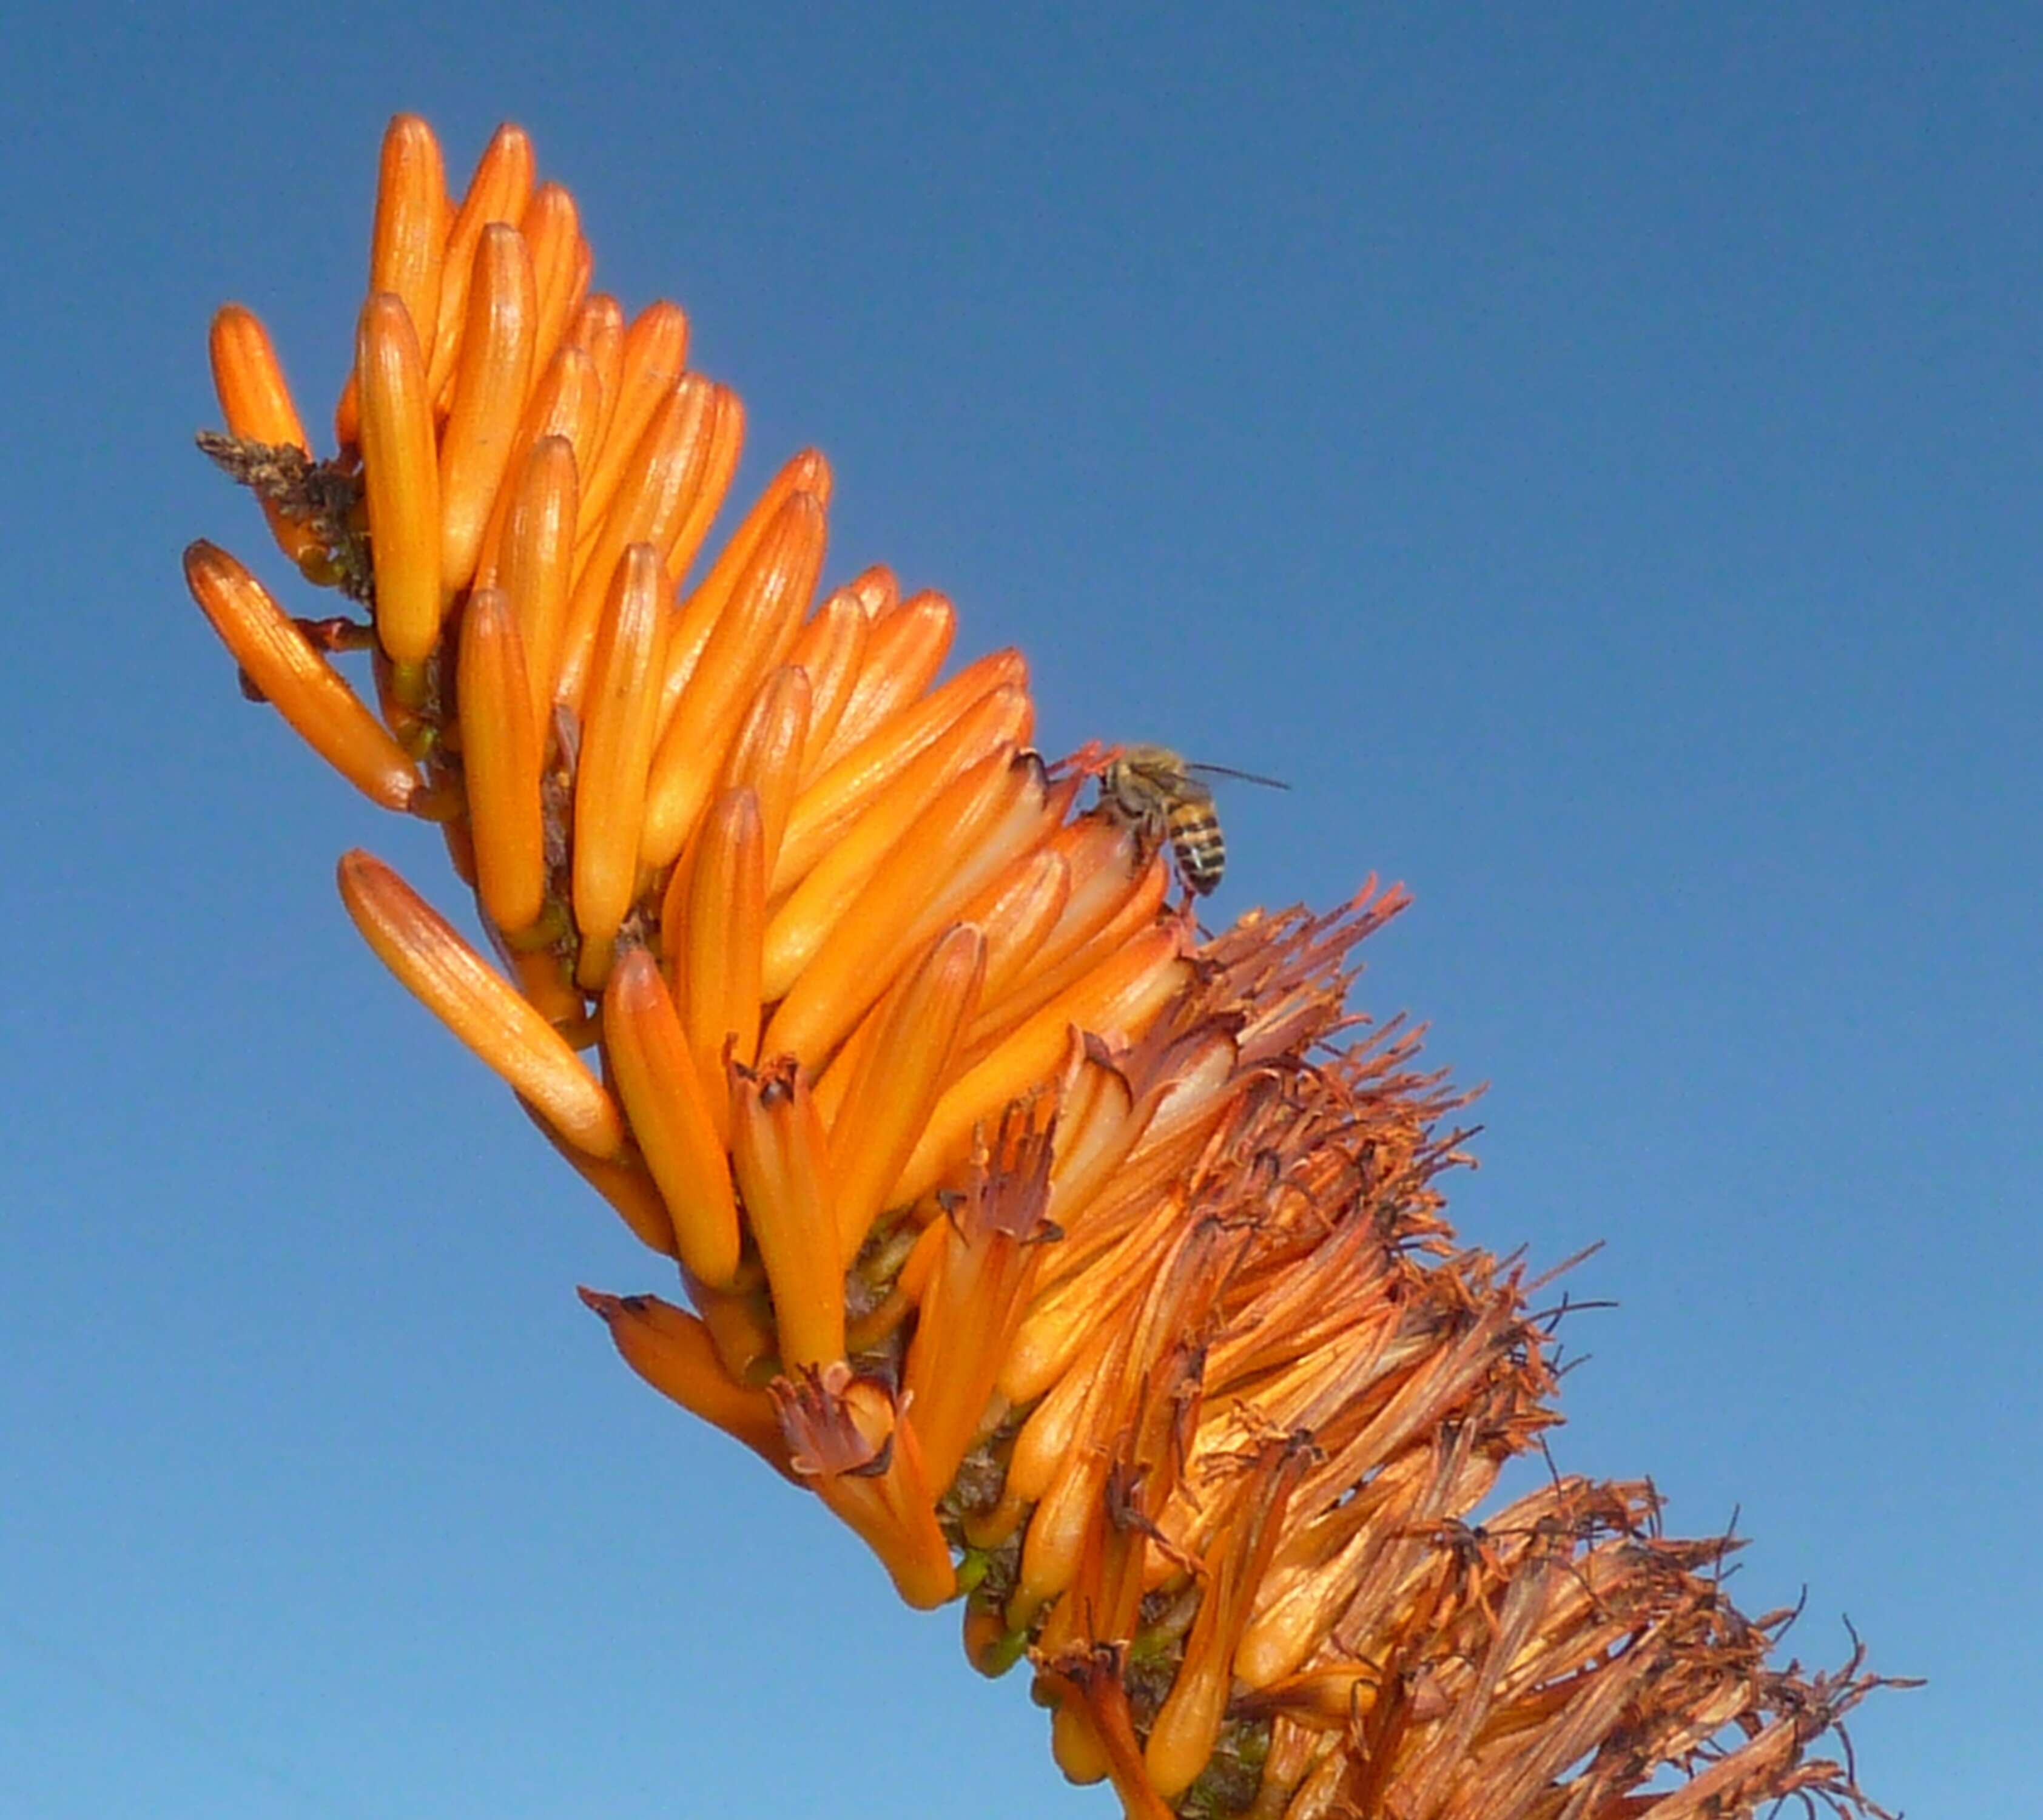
(1094, 1274)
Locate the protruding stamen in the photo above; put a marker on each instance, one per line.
(976, 1292)
(1182, 1737)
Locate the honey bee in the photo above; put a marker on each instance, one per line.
(1156, 793)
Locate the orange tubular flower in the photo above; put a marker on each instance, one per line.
(401, 478)
(455, 984)
(257, 403)
(501, 751)
(1095, 1273)
(670, 1114)
(285, 669)
(617, 746)
(490, 384)
(497, 193)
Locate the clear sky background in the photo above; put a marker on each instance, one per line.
(1595, 452)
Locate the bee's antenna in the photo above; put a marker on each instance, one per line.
(1246, 776)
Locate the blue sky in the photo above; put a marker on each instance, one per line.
(1596, 456)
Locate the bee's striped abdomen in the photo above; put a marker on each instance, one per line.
(1197, 844)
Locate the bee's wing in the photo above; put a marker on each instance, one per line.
(1171, 781)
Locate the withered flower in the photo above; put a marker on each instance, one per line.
(1094, 1274)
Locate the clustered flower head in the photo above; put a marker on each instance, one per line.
(1093, 1273)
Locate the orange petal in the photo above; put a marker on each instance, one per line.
(547, 979)
(753, 634)
(246, 373)
(1122, 994)
(740, 1323)
(720, 468)
(474, 1001)
(499, 751)
(829, 805)
(560, 264)
(1094, 1676)
(257, 403)
(904, 1069)
(1055, 1540)
(664, 1096)
(967, 833)
(563, 403)
(877, 591)
(498, 192)
(408, 245)
(1181, 1740)
(1074, 1743)
(598, 331)
(1065, 1323)
(716, 956)
(767, 754)
(538, 551)
(829, 649)
(845, 1438)
(1017, 912)
(655, 355)
(1102, 912)
(672, 1351)
(705, 607)
(992, 1241)
(296, 680)
(617, 742)
(782, 1168)
(490, 383)
(1090, 1149)
(1054, 1427)
(659, 481)
(400, 475)
(819, 902)
(906, 650)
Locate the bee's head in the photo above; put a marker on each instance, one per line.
(1151, 761)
